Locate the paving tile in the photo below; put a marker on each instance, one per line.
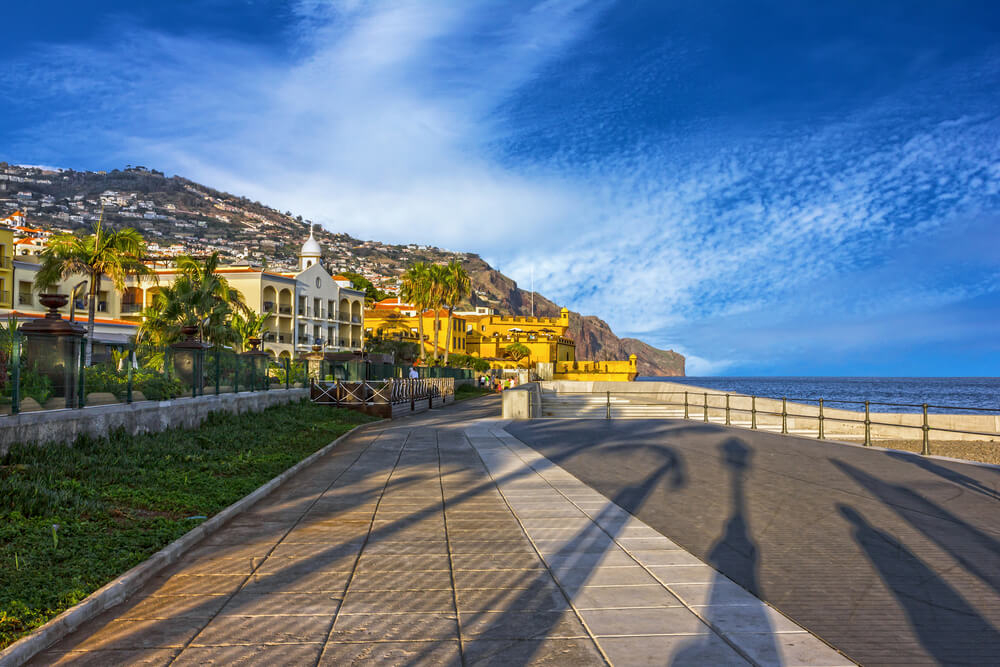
(647, 544)
(623, 597)
(406, 548)
(225, 630)
(389, 627)
(228, 551)
(119, 658)
(679, 650)
(297, 582)
(602, 576)
(392, 563)
(536, 598)
(491, 547)
(501, 578)
(516, 624)
(320, 562)
(747, 618)
(789, 650)
(274, 604)
(172, 606)
(686, 574)
(610, 557)
(489, 652)
(719, 592)
(517, 561)
(429, 653)
(212, 584)
(264, 655)
(649, 621)
(666, 557)
(370, 602)
(401, 581)
(241, 565)
(140, 634)
(317, 551)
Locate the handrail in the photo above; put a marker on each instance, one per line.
(606, 397)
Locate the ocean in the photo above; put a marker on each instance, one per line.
(952, 393)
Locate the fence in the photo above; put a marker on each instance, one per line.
(814, 417)
(387, 392)
(39, 373)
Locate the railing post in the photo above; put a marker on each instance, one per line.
(706, 407)
(236, 375)
(128, 374)
(288, 373)
(81, 397)
(15, 361)
(728, 422)
(685, 405)
(868, 426)
(753, 412)
(218, 368)
(784, 415)
(821, 434)
(609, 405)
(926, 449)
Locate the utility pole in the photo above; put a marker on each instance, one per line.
(532, 290)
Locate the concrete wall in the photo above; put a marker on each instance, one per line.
(522, 401)
(802, 418)
(63, 426)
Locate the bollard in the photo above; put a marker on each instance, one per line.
(926, 449)
(609, 405)
(81, 396)
(706, 408)
(685, 405)
(727, 410)
(128, 374)
(15, 376)
(784, 415)
(821, 436)
(753, 412)
(868, 426)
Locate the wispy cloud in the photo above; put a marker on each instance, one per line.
(413, 121)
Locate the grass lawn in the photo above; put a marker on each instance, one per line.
(470, 391)
(118, 500)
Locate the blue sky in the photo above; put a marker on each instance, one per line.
(775, 188)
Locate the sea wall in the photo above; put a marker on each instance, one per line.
(801, 418)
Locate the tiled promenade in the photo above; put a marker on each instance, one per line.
(440, 540)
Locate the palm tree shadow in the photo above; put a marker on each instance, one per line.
(977, 551)
(966, 482)
(735, 556)
(945, 624)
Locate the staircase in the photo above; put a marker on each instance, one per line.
(595, 406)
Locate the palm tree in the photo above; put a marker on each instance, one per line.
(247, 327)
(415, 288)
(437, 295)
(115, 254)
(457, 287)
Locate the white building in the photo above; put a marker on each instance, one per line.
(328, 312)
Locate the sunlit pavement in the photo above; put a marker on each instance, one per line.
(441, 539)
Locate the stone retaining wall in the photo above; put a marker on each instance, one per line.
(141, 417)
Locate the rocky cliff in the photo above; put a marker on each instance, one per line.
(595, 340)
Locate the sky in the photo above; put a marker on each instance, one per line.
(769, 187)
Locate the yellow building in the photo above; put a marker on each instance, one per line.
(489, 335)
(596, 371)
(391, 319)
(6, 268)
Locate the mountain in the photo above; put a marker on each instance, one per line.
(179, 215)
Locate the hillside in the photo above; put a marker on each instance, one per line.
(179, 215)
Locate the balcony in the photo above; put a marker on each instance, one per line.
(5, 262)
(268, 306)
(305, 340)
(131, 308)
(4, 297)
(24, 299)
(356, 319)
(344, 317)
(284, 310)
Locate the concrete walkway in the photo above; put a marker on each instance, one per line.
(440, 540)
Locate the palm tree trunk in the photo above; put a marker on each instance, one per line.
(437, 330)
(447, 340)
(95, 286)
(420, 329)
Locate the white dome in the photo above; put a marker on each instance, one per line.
(311, 247)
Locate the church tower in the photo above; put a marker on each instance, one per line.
(310, 253)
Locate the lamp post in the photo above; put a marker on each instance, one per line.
(189, 360)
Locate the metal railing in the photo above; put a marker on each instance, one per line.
(391, 391)
(284, 310)
(724, 411)
(131, 307)
(34, 378)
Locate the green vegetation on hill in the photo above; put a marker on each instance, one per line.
(117, 500)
